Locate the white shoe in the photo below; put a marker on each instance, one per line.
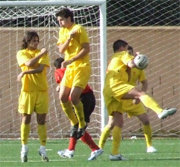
(66, 153)
(95, 154)
(167, 112)
(117, 157)
(151, 149)
(24, 153)
(43, 154)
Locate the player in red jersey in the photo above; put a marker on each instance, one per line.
(88, 99)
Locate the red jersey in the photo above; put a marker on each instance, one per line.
(59, 73)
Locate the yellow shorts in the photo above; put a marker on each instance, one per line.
(76, 77)
(132, 109)
(30, 102)
(113, 96)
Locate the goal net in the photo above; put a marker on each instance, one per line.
(18, 17)
(151, 27)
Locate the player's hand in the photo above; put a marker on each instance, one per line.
(136, 101)
(72, 33)
(58, 88)
(43, 51)
(20, 76)
(65, 63)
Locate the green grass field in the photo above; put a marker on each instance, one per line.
(168, 154)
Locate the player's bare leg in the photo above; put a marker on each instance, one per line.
(149, 102)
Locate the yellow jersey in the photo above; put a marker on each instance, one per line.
(137, 75)
(75, 44)
(37, 81)
(116, 71)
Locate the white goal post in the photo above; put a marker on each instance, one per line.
(98, 41)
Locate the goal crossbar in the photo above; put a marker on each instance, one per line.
(49, 2)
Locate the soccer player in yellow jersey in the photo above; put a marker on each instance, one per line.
(34, 92)
(118, 89)
(133, 108)
(73, 42)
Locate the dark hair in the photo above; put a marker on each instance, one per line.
(65, 12)
(130, 49)
(119, 43)
(28, 37)
(58, 61)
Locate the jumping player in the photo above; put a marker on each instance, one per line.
(88, 100)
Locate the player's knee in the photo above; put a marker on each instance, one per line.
(41, 121)
(75, 100)
(73, 132)
(141, 93)
(63, 98)
(146, 122)
(26, 119)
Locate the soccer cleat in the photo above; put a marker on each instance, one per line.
(42, 153)
(24, 153)
(167, 112)
(81, 132)
(151, 149)
(95, 154)
(66, 153)
(117, 157)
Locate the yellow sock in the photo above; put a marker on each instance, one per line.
(25, 129)
(148, 135)
(151, 103)
(78, 108)
(116, 133)
(104, 135)
(42, 132)
(67, 108)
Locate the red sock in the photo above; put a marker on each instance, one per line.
(72, 143)
(89, 141)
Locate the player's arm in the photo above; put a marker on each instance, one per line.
(144, 85)
(84, 51)
(39, 69)
(64, 46)
(34, 60)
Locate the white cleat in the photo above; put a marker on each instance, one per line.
(117, 157)
(151, 149)
(66, 153)
(24, 153)
(95, 154)
(43, 154)
(167, 112)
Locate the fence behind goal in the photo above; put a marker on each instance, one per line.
(159, 41)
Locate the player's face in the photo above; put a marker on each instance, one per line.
(64, 22)
(33, 44)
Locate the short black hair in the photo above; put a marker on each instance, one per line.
(65, 12)
(130, 49)
(119, 43)
(58, 61)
